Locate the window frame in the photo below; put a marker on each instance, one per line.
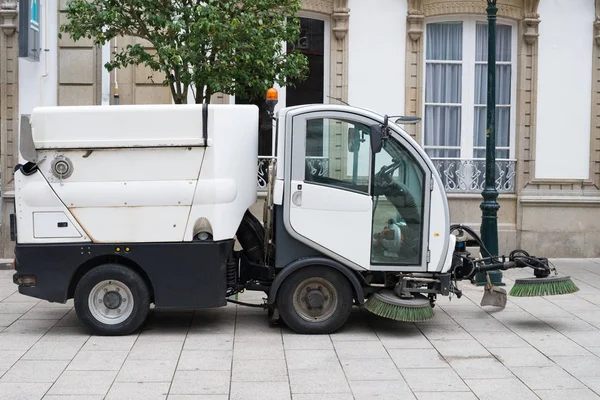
(298, 142)
(349, 120)
(467, 120)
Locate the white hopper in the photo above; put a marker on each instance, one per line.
(143, 173)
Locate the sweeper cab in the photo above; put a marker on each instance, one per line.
(123, 207)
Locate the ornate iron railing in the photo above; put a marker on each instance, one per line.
(458, 175)
(468, 175)
(263, 172)
(319, 166)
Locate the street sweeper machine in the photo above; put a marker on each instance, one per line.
(123, 207)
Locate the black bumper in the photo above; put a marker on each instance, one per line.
(181, 275)
(40, 274)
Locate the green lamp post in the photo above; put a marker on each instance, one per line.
(489, 206)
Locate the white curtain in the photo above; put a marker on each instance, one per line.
(443, 85)
(503, 87)
(443, 88)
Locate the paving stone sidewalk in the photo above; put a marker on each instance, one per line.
(536, 348)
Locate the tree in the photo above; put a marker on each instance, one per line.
(207, 46)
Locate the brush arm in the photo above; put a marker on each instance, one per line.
(539, 265)
(465, 267)
(496, 266)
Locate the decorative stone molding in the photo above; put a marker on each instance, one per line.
(415, 24)
(340, 16)
(318, 6)
(415, 7)
(531, 21)
(530, 30)
(527, 64)
(8, 17)
(431, 8)
(530, 9)
(338, 59)
(597, 24)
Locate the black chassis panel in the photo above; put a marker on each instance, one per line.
(182, 274)
(294, 250)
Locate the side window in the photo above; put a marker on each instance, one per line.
(337, 154)
(397, 207)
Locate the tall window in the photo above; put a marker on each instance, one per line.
(311, 43)
(456, 89)
(503, 89)
(443, 89)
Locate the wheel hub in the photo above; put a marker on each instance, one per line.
(112, 300)
(315, 298)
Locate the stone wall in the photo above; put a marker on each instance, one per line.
(9, 52)
(79, 69)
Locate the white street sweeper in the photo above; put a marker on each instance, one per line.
(123, 207)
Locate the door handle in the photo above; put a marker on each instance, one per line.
(297, 199)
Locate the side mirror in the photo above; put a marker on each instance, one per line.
(407, 120)
(353, 140)
(26, 146)
(376, 135)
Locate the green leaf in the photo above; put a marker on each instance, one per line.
(223, 46)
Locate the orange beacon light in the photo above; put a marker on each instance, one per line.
(271, 99)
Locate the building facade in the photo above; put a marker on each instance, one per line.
(425, 58)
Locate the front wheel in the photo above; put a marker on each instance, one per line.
(112, 300)
(315, 300)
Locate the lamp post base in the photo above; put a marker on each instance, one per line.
(489, 229)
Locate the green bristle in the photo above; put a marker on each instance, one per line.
(397, 312)
(543, 287)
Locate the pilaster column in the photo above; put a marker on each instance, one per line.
(415, 21)
(9, 114)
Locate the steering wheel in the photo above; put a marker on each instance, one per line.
(383, 177)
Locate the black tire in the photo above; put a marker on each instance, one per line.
(292, 312)
(126, 280)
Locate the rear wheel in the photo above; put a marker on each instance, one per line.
(112, 300)
(315, 300)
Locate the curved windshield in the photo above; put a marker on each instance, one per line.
(398, 193)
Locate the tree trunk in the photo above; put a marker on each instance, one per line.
(200, 96)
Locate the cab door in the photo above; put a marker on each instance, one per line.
(328, 202)
(333, 202)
